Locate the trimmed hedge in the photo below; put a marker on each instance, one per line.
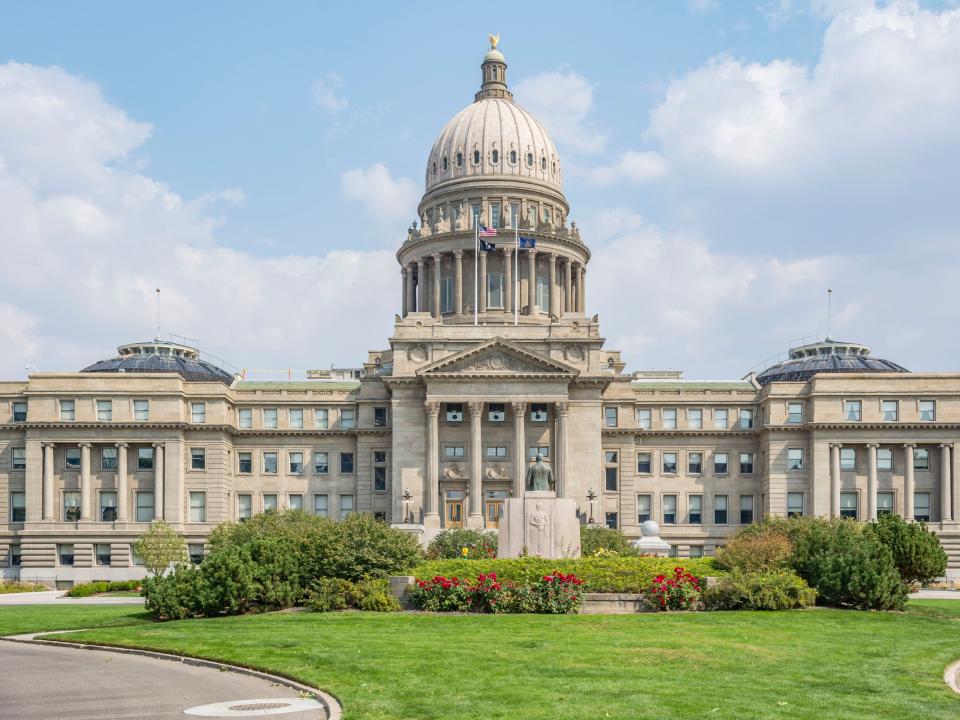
(769, 590)
(103, 586)
(601, 574)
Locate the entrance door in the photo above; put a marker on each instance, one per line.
(493, 511)
(454, 516)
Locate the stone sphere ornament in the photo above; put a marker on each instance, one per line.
(649, 528)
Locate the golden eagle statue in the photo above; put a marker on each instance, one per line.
(494, 39)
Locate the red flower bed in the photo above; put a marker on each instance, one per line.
(681, 592)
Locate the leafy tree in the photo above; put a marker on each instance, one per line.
(160, 547)
(594, 539)
(916, 551)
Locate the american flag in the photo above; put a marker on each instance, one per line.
(487, 232)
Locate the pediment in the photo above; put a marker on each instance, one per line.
(498, 357)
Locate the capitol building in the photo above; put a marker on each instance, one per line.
(495, 358)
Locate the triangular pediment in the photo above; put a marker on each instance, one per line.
(498, 357)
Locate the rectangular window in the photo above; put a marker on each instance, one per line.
(68, 410)
(669, 509)
(104, 410)
(746, 509)
(694, 419)
(295, 459)
(696, 509)
(514, 211)
(18, 507)
(921, 506)
(541, 450)
(890, 410)
(270, 418)
(246, 462)
(346, 463)
(346, 506)
(71, 459)
(446, 295)
(71, 506)
(494, 214)
(921, 459)
(244, 506)
(19, 412)
(794, 413)
(643, 508)
(884, 503)
(102, 553)
(746, 419)
(15, 555)
(848, 505)
(454, 412)
(65, 554)
(696, 551)
(543, 292)
(452, 452)
(245, 418)
(694, 463)
(746, 463)
(720, 464)
(270, 463)
(852, 410)
(610, 416)
(669, 463)
(928, 410)
(668, 418)
(321, 464)
(884, 459)
(611, 520)
(320, 505)
(379, 472)
(141, 410)
(295, 501)
(721, 418)
(496, 451)
(198, 507)
(296, 418)
(495, 290)
(720, 509)
(270, 502)
(794, 504)
(198, 458)
(144, 507)
(18, 458)
(348, 419)
(379, 417)
(848, 458)
(644, 463)
(108, 505)
(643, 418)
(145, 458)
(108, 458)
(496, 412)
(795, 459)
(538, 412)
(198, 412)
(610, 470)
(321, 419)
(195, 551)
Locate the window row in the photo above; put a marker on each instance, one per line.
(695, 509)
(851, 458)
(496, 412)
(669, 464)
(494, 452)
(72, 458)
(889, 411)
(320, 506)
(296, 459)
(296, 418)
(102, 554)
(695, 418)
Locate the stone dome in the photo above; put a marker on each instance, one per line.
(829, 356)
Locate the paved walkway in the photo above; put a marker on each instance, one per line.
(58, 597)
(935, 595)
(47, 681)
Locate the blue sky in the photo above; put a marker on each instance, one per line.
(727, 162)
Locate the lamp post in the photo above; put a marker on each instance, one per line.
(591, 498)
(407, 498)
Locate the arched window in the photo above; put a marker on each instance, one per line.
(459, 159)
(513, 157)
(434, 167)
(446, 164)
(493, 73)
(543, 164)
(476, 157)
(529, 159)
(495, 156)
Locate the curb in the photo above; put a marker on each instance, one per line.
(329, 702)
(951, 676)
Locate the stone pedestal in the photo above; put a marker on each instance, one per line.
(539, 524)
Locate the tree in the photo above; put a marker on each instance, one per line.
(916, 551)
(160, 547)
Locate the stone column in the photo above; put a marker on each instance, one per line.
(482, 281)
(946, 505)
(47, 482)
(508, 281)
(411, 290)
(519, 447)
(909, 484)
(421, 285)
(458, 282)
(871, 481)
(436, 285)
(122, 482)
(554, 306)
(582, 290)
(560, 451)
(475, 504)
(567, 286)
(432, 499)
(403, 291)
(158, 481)
(85, 494)
(532, 283)
(835, 480)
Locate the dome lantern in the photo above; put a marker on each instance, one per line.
(494, 74)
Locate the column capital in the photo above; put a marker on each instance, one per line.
(836, 445)
(946, 445)
(518, 406)
(432, 408)
(563, 407)
(475, 407)
(532, 252)
(121, 444)
(872, 445)
(48, 444)
(436, 257)
(458, 253)
(85, 445)
(553, 256)
(421, 261)
(508, 251)
(403, 270)
(909, 444)
(159, 445)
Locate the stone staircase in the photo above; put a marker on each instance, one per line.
(950, 540)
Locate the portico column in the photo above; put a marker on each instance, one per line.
(532, 283)
(436, 285)
(582, 290)
(475, 518)
(909, 484)
(560, 454)
(554, 306)
(458, 282)
(85, 481)
(567, 286)
(47, 481)
(508, 281)
(946, 506)
(121, 481)
(519, 447)
(835, 480)
(431, 515)
(482, 281)
(871, 481)
(411, 290)
(403, 292)
(158, 481)
(421, 285)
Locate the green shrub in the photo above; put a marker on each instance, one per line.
(373, 595)
(227, 586)
(603, 540)
(601, 574)
(463, 543)
(326, 594)
(177, 595)
(103, 586)
(768, 590)
(15, 586)
(916, 551)
(768, 548)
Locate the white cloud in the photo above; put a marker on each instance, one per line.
(385, 198)
(86, 240)
(326, 93)
(562, 101)
(632, 166)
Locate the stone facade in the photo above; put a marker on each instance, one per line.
(438, 429)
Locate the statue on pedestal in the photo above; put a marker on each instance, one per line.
(540, 476)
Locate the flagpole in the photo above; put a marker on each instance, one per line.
(516, 274)
(476, 268)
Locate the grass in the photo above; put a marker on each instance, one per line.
(798, 665)
(19, 619)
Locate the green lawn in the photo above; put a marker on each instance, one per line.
(817, 664)
(18, 619)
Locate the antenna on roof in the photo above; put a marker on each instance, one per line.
(158, 314)
(829, 296)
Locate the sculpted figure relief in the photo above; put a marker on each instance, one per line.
(540, 535)
(540, 476)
